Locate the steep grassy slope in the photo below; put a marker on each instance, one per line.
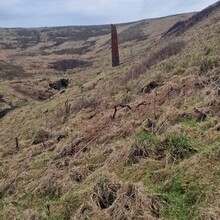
(158, 158)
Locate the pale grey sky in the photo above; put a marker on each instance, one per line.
(40, 13)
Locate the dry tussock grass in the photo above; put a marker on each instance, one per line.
(78, 174)
(84, 103)
(113, 200)
(32, 215)
(8, 186)
(31, 91)
(73, 148)
(144, 150)
(9, 71)
(212, 210)
(64, 65)
(163, 121)
(9, 213)
(51, 186)
(117, 156)
(133, 202)
(167, 51)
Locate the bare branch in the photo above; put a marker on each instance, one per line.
(142, 103)
(121, 106)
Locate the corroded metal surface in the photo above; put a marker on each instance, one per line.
(115, 53)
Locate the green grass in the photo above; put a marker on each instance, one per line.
(178, 142)
(2, 203)
(70, 204)
(26, 201)
(182, 200)
(57, 217)
(27, 197)
(148, 136)
(127, 98)
(180, 146)
(208, 63)
(168, 66)
(39, 163)
(159, 76)
(189, 123)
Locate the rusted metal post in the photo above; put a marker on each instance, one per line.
(115, 53)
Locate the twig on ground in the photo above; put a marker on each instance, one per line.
(122, 106)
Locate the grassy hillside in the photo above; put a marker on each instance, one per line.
(65, 153)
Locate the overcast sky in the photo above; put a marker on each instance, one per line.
(40, 13)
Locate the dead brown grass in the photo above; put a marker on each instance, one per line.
(112, 200)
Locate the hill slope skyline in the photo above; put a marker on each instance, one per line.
(22, 13)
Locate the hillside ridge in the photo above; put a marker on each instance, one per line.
(181, 26)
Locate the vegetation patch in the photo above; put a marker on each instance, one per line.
(59, 84)
(64, 65)
(71, 202)
(78, 174)
(6, 111)
(182, 200)
(150, 86)
(32, 92)
(86, 103)
(169, 50)
(105, 194)
(148, 136)
(133, 33)
(41, 136)
(143, 150)
(79, 51)
(50, 187)
(10, 71)
(179, 146)
(182, 26)
(209, 63)
(133, 202)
